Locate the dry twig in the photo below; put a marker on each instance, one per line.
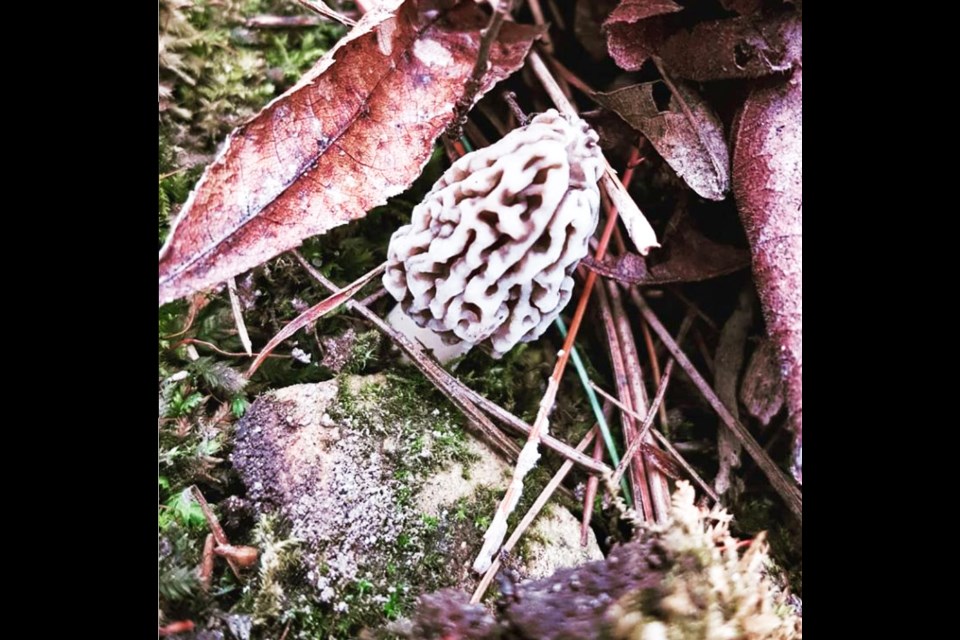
(313, 314)
(448, 384)
(327, 12)
(781, 483)
(238, 316)
(206, 562)
(530, 516)
(215, 528)
(501, 9)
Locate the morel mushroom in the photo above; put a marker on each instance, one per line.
(489, 253)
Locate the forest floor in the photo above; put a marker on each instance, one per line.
(220, 63)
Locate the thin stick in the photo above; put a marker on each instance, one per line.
(215, 528)
(428, 367)
(704, 352)
(448, 384)
(647, 426)
(530, 516)
(590, 495)
(213, 347)
(164, 176)
(284, 22)
(324, 10)
(313, 314)
(656, 484)
(511, 99)
(655, 368)
(538, 18)
(645, 422)
(570, 76)
(559, 446)
(658, 399)
(238, 316)
(781, 483)
(641, 495)
(501, 8)
(707, 489)
(373, 297)
(206, 563)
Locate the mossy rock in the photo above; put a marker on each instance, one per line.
(386, 492)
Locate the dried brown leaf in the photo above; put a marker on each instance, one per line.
(762, 388)
(355, 130)
(768, 185)
(728, 361)
(687, 256)
(662, 461)
(741, 47)
(636, 29)
(685, 131)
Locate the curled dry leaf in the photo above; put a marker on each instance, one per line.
(244, 556)
(762, 389)
(685, 131)
(742, 47)
(355, 130)
(728, 361)
(636, 29)
(768, 185)
(687, 256)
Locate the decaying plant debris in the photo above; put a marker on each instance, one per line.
(340, 123)
(681, 579)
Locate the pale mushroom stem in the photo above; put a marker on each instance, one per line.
(443, 352)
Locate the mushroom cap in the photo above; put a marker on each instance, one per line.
(488, 255)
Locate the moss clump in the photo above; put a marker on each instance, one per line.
(215, 73)
(710, 591)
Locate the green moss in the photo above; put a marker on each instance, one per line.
(215, 73)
